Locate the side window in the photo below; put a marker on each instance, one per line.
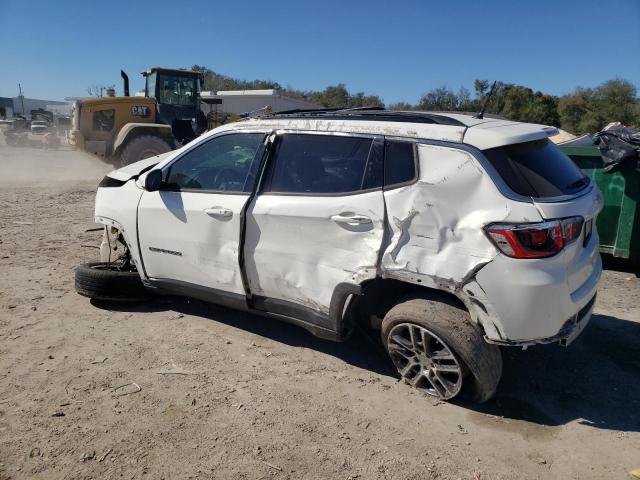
(103, 120)
(220, 164)
(399, 163)
(319, 164)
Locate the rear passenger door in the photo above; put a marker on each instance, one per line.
(317, 222)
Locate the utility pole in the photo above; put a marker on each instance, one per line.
(21, 97)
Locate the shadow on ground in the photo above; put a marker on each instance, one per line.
(595, 380)
(610, 262)
(362, 351)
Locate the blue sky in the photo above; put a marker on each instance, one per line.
(397, 50)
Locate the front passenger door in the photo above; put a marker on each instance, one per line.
(190, 229)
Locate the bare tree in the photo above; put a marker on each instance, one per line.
(98, 90)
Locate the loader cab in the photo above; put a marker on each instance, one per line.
(177, 93)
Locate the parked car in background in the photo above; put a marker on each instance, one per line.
(39, 127)
(447, 234)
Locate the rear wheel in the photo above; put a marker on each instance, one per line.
(438, 351)
(107, 281)
(142, 147)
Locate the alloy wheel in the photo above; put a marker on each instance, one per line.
(424, 361)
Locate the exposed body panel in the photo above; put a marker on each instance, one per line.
(118, 207)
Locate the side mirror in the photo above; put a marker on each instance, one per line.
(153, 181)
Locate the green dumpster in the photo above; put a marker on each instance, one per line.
(619, 222)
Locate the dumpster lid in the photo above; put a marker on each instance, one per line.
(583, 141)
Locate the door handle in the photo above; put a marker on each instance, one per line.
(351, 219)
(218, 212)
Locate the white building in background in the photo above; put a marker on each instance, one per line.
(58, 110)
(243, 101)
(33, 104)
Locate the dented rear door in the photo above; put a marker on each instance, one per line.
(317, 222)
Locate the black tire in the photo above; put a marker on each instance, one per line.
(481, 362)
(142, 147)
(95, 280)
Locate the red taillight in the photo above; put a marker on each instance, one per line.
(534, 240)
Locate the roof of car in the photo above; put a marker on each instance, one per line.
(482, 133)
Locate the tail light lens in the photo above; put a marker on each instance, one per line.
(534, 240)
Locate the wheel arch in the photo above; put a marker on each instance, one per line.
(375, 297)
(134, 130)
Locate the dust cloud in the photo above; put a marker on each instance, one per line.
(25, 166)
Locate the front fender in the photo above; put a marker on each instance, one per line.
(118, 207)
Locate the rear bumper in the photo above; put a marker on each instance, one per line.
(532, 302)
(567, 334)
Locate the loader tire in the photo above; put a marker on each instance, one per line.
(101, 281)
(142, 147)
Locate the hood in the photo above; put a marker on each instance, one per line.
(134, 170)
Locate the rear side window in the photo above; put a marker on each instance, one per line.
(319, 164)
(537, 169)
(399, 163)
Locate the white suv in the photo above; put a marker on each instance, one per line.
(449, 234)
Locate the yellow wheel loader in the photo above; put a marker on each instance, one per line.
(123, 130)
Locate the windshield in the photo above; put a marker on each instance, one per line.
(39, 123)
(537, 169)
(177, 90)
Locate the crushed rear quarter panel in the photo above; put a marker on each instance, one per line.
(437, 238)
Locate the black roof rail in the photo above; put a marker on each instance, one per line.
(367, 113)
(305, 110)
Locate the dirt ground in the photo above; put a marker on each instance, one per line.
(179, 389)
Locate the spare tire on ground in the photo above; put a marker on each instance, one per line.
(103, 281)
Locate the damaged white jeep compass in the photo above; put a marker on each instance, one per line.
(451, 235)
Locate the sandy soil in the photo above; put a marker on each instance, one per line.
(179, 389)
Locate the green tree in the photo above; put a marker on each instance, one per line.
(583, 111)
(335, 96)
(616, 101)
(464, 102)
(523, 105)
(401, 106)
(439, 99)
(542, 109)
(481, 87)
(215, 81)
(589, 110)
(576, 114)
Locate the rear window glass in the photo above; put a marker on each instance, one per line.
(399, 163)
(537, 169)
